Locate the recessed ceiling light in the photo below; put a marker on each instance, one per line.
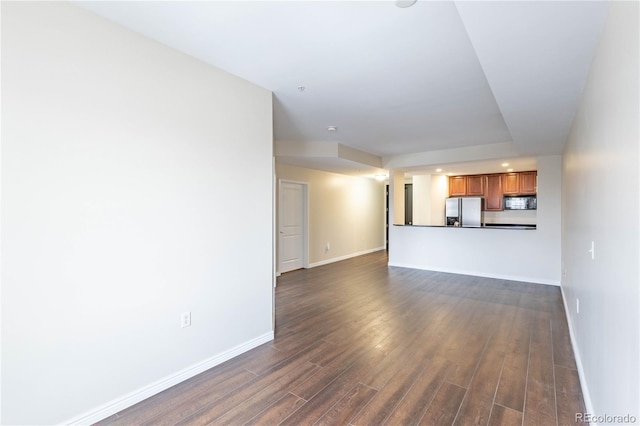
(332, 128)
(301, 88)
(438, 170)
(509, 170)
(405, 3)
(505, 164)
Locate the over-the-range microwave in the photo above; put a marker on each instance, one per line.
(528, 202)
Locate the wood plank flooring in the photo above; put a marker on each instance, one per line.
(361, 343)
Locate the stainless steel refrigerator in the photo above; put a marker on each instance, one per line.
(463, 211)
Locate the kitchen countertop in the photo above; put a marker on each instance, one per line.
(485, 226)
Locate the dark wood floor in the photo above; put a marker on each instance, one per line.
(361, 343)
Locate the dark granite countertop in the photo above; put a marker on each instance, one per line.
(485, 226)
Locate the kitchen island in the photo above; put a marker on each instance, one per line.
(514, 253)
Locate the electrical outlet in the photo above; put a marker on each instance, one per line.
(185, 319)
(593, 250)
(327, 247)
(577, 305)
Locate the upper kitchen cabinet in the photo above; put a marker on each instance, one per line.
(519, 183)
(528, 182)
(475, 185)
(492, 187)
(457, 186)
(511, 183)
(493, 193)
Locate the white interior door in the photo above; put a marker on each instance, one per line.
(292, 224)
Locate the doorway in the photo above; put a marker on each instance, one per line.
(408, 204)
(386, 214)
(292, 236)
(408, 209)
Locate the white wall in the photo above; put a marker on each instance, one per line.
(600, 204)
(429, 194)
(345, 211)
(396, 197)
(439, 192)
(136, 184)
(531, 255)
(421, 186)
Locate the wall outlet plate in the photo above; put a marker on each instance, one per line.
(185, 319)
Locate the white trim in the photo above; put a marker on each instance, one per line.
(119, 404)
(480, 274)
(588, 405)
(274, 241)
(345, 257)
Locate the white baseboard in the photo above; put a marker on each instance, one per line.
(119, 404)
(533, 280)
(588, 405)
(345, 257)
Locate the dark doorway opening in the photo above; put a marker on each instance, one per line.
(408, 203)
(387, 218)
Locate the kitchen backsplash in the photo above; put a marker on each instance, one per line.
(519, 217)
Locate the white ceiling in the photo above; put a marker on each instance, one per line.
(436, 76)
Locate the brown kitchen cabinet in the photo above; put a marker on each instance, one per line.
(457, 186)
(511, 183)
(475, 185)
(493, 193)
(519, 183)
(492, 187)
(528, 182)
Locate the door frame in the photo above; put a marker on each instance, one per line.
(305, 223)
